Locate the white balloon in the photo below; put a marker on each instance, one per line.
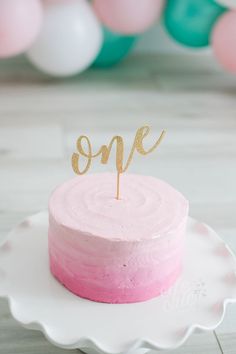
(70, 39)
(228, 3)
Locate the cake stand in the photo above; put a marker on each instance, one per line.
(197, 301)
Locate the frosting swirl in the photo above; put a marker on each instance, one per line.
(148, 208)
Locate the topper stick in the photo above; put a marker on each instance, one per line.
(118, 186)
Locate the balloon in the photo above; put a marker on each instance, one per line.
(128, 16)
(115, 48)
(228, 3)
(20, 23)
(70, 39)
(224, 41)
(190, 21)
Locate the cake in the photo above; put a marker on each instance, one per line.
(116, 251)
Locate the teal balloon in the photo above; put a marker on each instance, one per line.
(190, 22)
(115, 48)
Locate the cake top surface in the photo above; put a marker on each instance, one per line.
(147, 208)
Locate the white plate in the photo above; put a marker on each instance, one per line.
(197, 301)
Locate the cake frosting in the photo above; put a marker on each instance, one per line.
(116, 251)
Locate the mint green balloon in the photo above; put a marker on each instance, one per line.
(115, 48)
(190, 22)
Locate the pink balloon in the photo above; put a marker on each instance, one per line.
(128, 16)
(20, 22)
(224, 41)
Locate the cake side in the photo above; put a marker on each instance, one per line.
(118, 269)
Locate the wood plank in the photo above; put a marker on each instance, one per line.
(161, 71)
(35, 142)
(228, 342)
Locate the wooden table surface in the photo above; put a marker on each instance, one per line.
(40, 118)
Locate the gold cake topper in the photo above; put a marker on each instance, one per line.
(105, 151)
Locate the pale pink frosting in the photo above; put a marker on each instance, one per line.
(112, 250)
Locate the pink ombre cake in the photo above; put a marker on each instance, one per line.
(116, 251)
